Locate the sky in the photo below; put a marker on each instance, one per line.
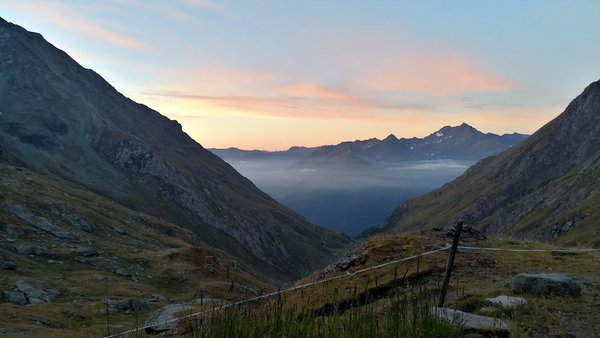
(267, 74)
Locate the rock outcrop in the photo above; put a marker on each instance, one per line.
(474, 324)
(38, 222)
(166, 318)
(545, 284)
(27, 294)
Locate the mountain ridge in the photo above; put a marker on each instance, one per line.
(474, 144)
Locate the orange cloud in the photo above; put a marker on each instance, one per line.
(67, 17)
(442, 76)
(292, 107)
(306, 90)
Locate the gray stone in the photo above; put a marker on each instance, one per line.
(123, 272)
(35, 295)
(507, 302)
(154, 298)
(351, 259)
(545, 284)
(6, 264)
(35, 251)
(14, 297)
(473, 335)
(473, 324)
(128, 305)
(38, 222)
(77, 221)
(85, 252)
(165, 319)
(12, 231)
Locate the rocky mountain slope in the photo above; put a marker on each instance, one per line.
(65, 121)
(65, 252)
(544, 188)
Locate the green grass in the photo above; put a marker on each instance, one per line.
(407, 315)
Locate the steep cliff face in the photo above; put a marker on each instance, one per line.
(66, 121)
(546, 187)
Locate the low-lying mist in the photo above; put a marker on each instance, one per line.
(347, 199)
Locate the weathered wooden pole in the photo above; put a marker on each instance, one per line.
(457, 231)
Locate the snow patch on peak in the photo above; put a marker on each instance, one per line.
(439, 134)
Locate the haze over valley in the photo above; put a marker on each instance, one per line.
(352, 186)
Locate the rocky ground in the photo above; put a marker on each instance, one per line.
(73, 263)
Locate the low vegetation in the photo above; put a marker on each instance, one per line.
(405, 315)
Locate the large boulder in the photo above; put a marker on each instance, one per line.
(166, 318)
(545, 284)
(473, 325)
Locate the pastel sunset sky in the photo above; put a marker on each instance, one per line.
(266, 74)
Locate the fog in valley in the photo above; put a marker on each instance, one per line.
(343, 198)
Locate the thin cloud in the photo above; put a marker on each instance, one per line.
(67, 16)
(440, 76)
(297, 107)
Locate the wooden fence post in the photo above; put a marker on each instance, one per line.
(457, 231)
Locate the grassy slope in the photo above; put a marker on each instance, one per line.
(476, 275)
(318, 309)
(165, 259)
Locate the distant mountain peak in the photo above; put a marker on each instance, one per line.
(390, 137)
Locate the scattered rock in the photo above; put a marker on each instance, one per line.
(154, 298)
(123, 272)
(35, 251)
(14, 297)
(47, 323)
(507, 302)
(6, 264)
(545, 284)
(85, 252)
(165, 319)
(77, 221)
(128, 305)
(35, 295)
(558, 230)
(351, 259)
(12, 230)
(38, 222)
(473, 335)
(474, 325)
(120, 231)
